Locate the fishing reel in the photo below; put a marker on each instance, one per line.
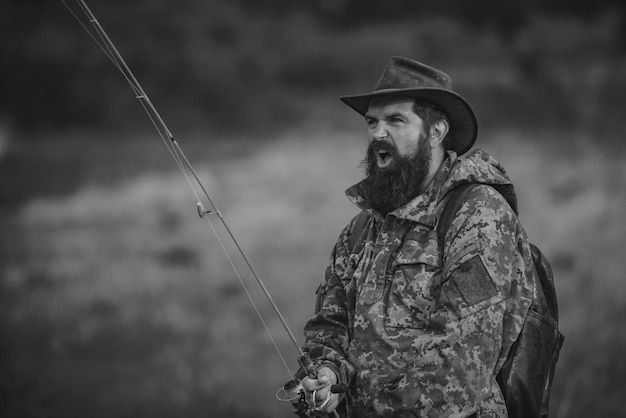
(294, 392)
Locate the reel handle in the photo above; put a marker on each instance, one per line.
(338, 388)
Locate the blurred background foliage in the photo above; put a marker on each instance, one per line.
(211, 60)
(113, 303)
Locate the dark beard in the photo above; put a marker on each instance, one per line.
(392, 187)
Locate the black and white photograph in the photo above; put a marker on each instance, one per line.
(312, 208)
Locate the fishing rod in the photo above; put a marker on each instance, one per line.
(293, 389)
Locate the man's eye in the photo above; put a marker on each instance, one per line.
(370, 122)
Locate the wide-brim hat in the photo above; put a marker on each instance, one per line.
(406, 77)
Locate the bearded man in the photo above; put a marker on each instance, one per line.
(413, 321)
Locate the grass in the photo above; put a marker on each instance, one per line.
(118, 301)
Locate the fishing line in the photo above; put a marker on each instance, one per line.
(106, 45)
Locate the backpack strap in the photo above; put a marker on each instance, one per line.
(452, 205)
(356, 229)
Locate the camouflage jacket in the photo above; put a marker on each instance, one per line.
(419, 327)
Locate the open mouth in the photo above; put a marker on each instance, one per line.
(383, 158)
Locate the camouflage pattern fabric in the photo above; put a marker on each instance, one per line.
(419, 327)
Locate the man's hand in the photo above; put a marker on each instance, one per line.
(319, 388)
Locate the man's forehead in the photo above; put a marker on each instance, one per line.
(390, 104)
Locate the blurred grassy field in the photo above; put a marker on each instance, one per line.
(117, 301)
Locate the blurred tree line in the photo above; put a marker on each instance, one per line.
(240, 64)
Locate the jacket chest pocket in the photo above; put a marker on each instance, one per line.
(413, 288)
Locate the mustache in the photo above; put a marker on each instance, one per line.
(378, 145)
(369, 164)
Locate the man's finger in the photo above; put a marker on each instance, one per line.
(312, 384)
(323, 379)
(332, 403)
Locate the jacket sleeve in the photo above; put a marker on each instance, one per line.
(327, 332)
(483, 300)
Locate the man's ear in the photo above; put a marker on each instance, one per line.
(438, 131)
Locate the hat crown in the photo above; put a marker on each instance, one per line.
(403, 73)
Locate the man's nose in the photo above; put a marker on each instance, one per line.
(379, 132)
